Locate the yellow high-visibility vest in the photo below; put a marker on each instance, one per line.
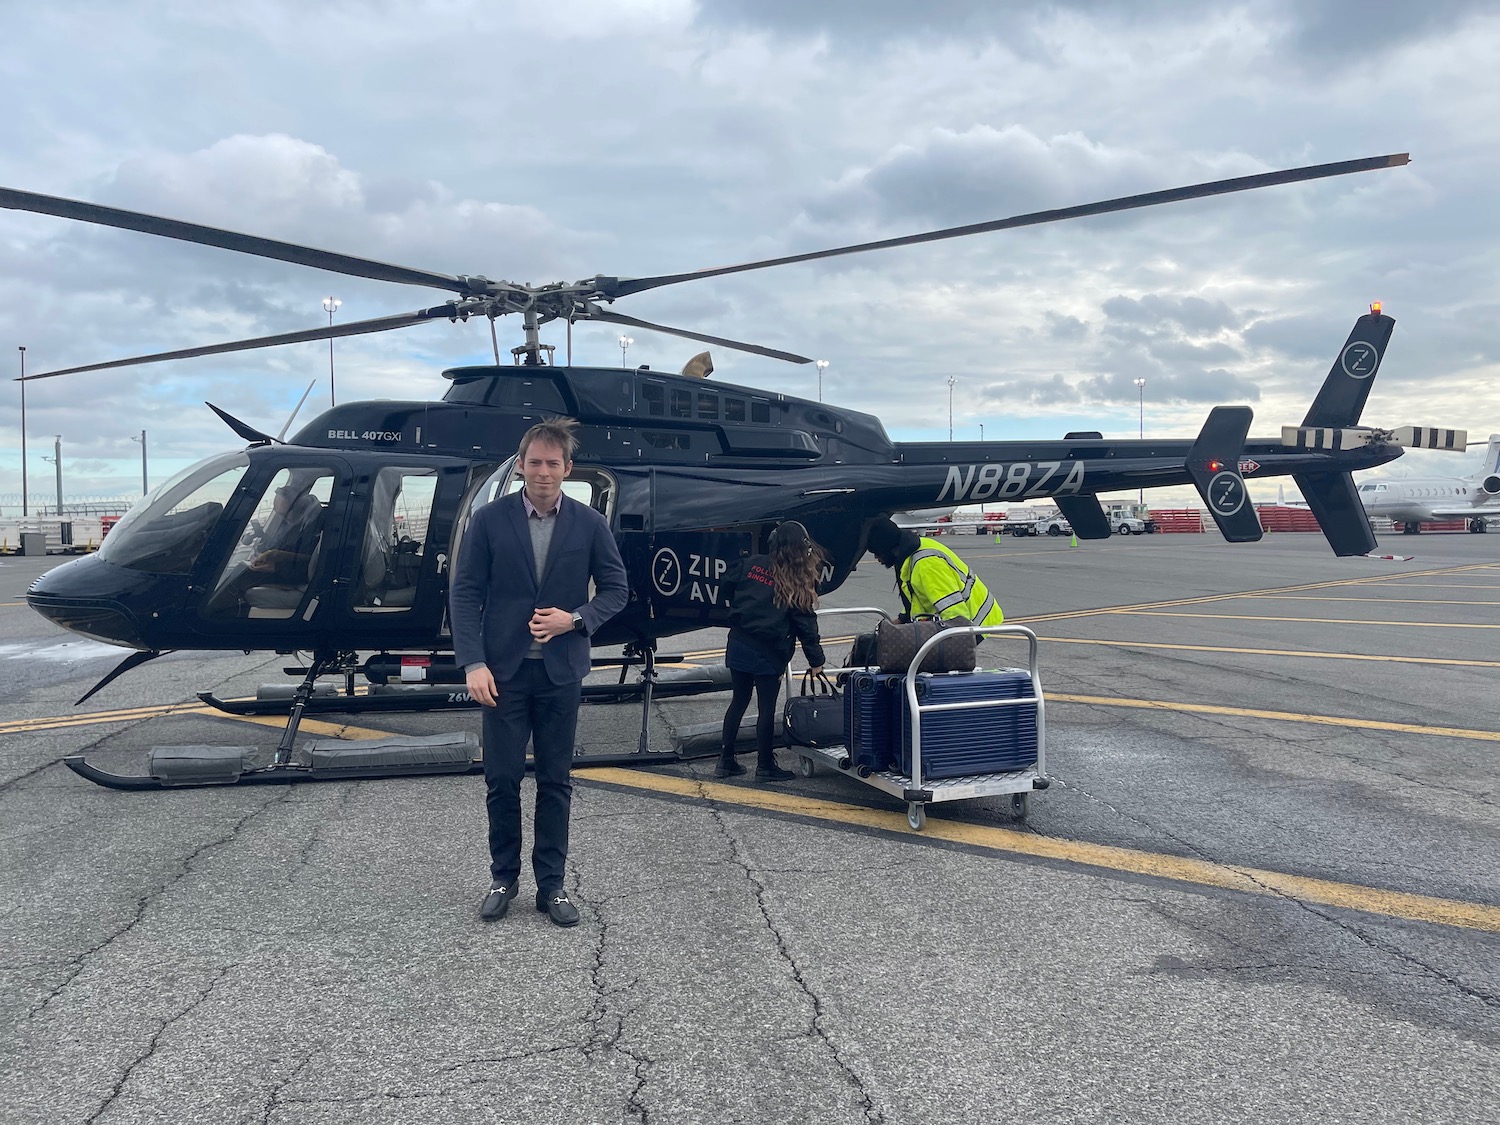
(937, 583)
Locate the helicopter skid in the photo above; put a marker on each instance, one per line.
(394, 698)
(191, 767)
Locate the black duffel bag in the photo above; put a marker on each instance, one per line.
(896, 644)
(815, 716)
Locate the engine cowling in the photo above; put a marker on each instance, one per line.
(1491, 485)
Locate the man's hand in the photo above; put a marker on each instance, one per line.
(481, 683)
(551, 622)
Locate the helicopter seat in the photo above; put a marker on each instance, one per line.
(390, 577)
(278, 600)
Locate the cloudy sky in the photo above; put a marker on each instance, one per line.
(543, 143)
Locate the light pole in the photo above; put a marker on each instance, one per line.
(951, 381)
(822, 364)
(1140, 387)
(625, 342)
(142, 440)
(330, 306)
(24, 510)
(56, 459)
(981, 431)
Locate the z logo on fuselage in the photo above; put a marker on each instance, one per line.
(666, 572)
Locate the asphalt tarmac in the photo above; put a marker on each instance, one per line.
(1264, 886)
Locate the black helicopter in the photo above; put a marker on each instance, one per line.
(691, 473)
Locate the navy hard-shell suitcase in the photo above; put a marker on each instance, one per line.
(870, 711)
(980, 740)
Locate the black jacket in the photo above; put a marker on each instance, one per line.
(753, 611)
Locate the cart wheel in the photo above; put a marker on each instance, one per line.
(1020, 805)
(805, 767)
(916, 815)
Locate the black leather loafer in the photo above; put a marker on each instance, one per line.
(556, 905)
(497, 901)
(728, 767)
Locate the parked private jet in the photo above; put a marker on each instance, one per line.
(1413, 501)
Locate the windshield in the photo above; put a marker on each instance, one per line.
(164, 532)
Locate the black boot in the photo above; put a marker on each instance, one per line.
(766, 769)
(728, 767)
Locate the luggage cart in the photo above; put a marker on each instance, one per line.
(918, 792)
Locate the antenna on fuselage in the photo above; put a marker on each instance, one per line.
(282, 435)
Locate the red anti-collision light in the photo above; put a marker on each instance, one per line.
(1215, 466)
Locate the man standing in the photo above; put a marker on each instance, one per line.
(931, 580)
(521, 619)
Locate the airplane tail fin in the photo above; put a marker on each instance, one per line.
(1489, 471)
(1332, 496)
(1341, 399)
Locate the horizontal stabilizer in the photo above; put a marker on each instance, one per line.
(1335, 503)
(1213, 463)
(1085, 516)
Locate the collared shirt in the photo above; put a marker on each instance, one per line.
(532, 512)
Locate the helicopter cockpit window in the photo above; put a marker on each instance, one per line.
(395, 540)
(267, 575)
(165, 531)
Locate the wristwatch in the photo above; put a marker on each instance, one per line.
(578, 622)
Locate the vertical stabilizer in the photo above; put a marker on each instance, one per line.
(1341, 399)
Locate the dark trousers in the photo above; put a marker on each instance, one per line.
(530, 706)
(766, 689)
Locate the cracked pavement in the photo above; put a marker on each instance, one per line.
(311, 953)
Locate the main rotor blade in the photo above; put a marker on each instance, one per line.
(225, 239)
(625, 287)
(736, 345)
(352, 328)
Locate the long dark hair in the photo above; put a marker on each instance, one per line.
(796, 564)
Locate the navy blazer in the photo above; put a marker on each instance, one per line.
(496, 589)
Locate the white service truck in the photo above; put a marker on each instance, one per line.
(1036, 521)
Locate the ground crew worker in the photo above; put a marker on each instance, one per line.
(931, 580)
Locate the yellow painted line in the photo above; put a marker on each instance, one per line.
(8, 605)
(1369, 601)
(95, 718)
(1274, 652)
(1247, 880)
(1310, 620)
(1451, 586)
(1279, 716)
(308, 726)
